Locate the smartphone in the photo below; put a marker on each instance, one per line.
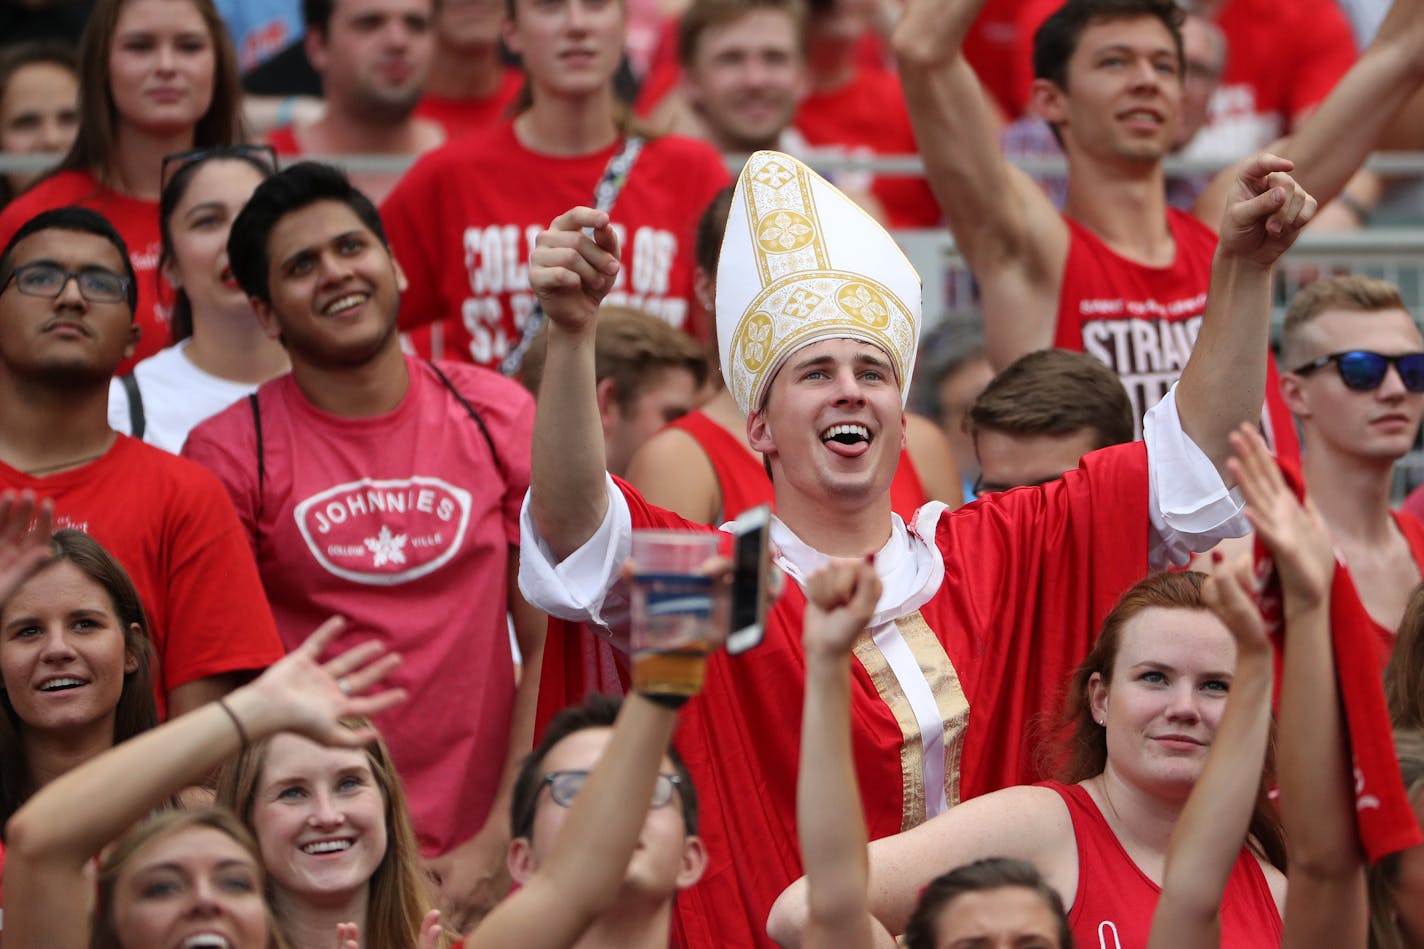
(750, 532)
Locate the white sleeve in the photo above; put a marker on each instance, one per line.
(582, 587)
(1189, 506)
(119, 407)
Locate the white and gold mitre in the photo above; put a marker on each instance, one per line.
(802, 263)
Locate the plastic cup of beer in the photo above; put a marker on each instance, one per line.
(673, 628)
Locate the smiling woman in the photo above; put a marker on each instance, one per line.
(1142, 712)
(335, 836)
(75, 664)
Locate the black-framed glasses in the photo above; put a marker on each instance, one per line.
(172, 164)
(565, 785)
(1364, 371)
(44, 279)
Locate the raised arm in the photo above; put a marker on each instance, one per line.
(1334, 141)
(1212, 829)
(1011, 236)
(840, 598)
(1265, 213)
(52, 838)
(584, 872)
(572, 266)
(1326, 905)
(1022, 823)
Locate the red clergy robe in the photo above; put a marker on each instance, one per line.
(1029, 576)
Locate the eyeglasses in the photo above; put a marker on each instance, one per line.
(1364, 371)
(565, 785)
(265, 155)
(44, 279)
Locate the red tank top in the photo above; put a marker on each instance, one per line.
(1112, 908)
(743, 480)
(1142, 321)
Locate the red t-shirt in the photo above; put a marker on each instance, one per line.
(1115, 900)
(743, 481)
(1142, 321)
(464, 117)
(1267, 84)
(463, 220)
(1029, 575)
(171, 526)
(868, 116)
(137, 223)
(402, 523)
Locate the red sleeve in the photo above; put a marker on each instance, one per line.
(218, 616)
(410, 215)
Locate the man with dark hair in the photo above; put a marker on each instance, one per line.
(604, 828)
(373, 57)
(67, 298)
(1354, 379)
(1118, 274)
(1043, 413)
(998, 889)
(387, 490)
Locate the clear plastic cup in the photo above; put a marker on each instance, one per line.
(673, 624)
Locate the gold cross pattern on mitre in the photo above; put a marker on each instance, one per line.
(802, 263)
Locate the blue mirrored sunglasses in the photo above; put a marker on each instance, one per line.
(1364, 371)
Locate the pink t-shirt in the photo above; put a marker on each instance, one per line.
(403, 524)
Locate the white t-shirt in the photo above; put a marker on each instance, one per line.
(177, 395)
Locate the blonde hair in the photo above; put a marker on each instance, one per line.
(1352, 293)
(166, 824)
(399, 897)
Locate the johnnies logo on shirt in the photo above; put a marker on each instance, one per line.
(384, 532)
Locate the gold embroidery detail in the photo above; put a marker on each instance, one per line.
(949, 695)
(774, 174)
(756, 341)
(912, 752)
(801, 304)
(782, 232)
(862, 304)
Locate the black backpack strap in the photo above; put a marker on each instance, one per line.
(484, 430)
(136, 419)
(257, 430)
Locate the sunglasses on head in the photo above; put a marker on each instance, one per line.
(1363, 371)
(176, 162)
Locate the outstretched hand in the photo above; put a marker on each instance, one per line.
(1265, 211)
(22, 547)
(313, 698)
(573, 266)
(840, 599)
(1293, 533)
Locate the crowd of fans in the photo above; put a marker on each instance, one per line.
(1093, 623)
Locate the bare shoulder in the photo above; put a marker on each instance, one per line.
(671, 470)
(934, 461)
